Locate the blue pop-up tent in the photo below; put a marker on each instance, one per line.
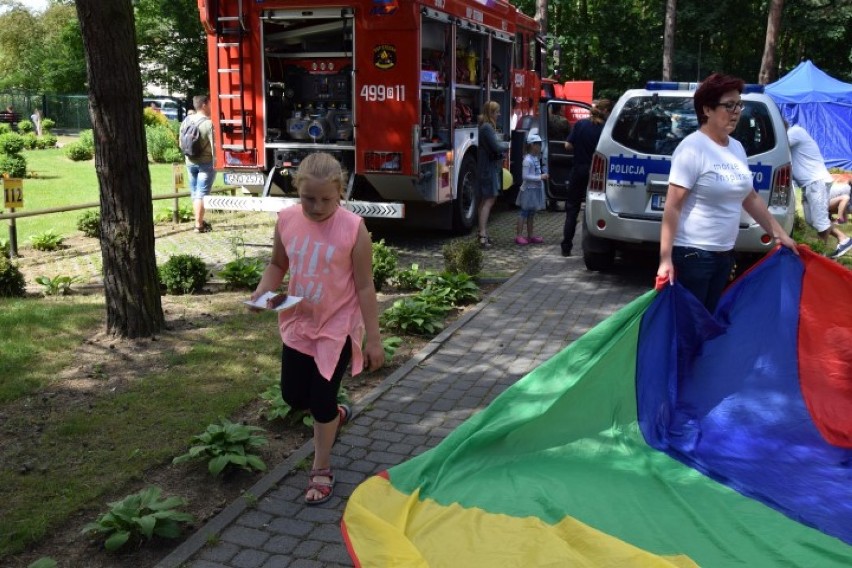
(822, 105)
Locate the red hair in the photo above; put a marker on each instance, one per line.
(711, 90)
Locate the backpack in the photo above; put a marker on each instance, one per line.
(191, 142)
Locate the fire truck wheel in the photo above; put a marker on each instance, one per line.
(466, 201)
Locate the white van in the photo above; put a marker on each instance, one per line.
(629, 173)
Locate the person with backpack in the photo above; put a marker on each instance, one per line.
(196, 143)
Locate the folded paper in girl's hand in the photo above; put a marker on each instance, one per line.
(279, 302)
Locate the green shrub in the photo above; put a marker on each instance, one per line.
(78, 152)
(30, 140)
(463, 255)
(226, 445)
(384, 263)
(139, 515)
(5, 248)
(47, 241)
(5, 127)
(152, 117)
(183, 274)
(47, 125)
(58, 285)
(11, 143)
(25, 126)
(160, 139)
(87, 139)
(13, 165)
(173, 156)
(12, 284)
(414, 316)
(46, 141)
(244, 272)
(89, 223)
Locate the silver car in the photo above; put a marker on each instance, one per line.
(630, 170)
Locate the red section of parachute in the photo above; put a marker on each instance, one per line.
(825, 348)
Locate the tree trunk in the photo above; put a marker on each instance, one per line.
(767, 63)
(668, 38)
(541, 18)
(131, 285)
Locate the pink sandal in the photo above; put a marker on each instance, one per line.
(325, 488)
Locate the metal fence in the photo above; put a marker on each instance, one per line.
(67, 111)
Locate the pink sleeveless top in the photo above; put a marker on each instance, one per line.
(321, 272)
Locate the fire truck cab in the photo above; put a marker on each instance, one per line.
(391, 88)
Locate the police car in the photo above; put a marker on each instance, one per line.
(629, 174)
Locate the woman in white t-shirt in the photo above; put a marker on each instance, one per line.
(709, 186)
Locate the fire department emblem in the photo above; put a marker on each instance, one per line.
(384, 56)
(384, 7)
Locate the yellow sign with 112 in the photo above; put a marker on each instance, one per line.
(13, 193)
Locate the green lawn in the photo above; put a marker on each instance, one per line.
(92, 445)
(60, 182)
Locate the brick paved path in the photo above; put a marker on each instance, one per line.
(546, 305)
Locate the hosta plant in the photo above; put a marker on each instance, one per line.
(226, 445)
(384, 263)
(140, 515)
(244, 272)
(459, 287)
(183, 213)
(58, 285)
(48, 240)
(44, 562)
(413, 316)
(276, 408)
(390, 345)
(412, 278)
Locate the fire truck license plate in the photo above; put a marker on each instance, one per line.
(232, 178)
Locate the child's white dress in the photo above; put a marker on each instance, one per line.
(531, 194)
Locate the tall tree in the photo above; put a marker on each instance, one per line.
(121, 162)
(668, 38)
(767, 64)
(541, 18)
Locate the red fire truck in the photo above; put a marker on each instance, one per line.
(392, 88)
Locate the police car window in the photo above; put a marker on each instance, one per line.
(653, 124)
(755, 130)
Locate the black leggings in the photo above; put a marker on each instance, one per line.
(304, 388)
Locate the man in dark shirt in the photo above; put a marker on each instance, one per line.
(583, 140)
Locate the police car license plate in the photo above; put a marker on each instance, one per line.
(244, 178)
(658, 202)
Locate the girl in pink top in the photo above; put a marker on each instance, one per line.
(328, 253)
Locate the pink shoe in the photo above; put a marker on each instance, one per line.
(519, 240)
(536, 240)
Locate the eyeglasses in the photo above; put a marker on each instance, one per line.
(732, 106)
